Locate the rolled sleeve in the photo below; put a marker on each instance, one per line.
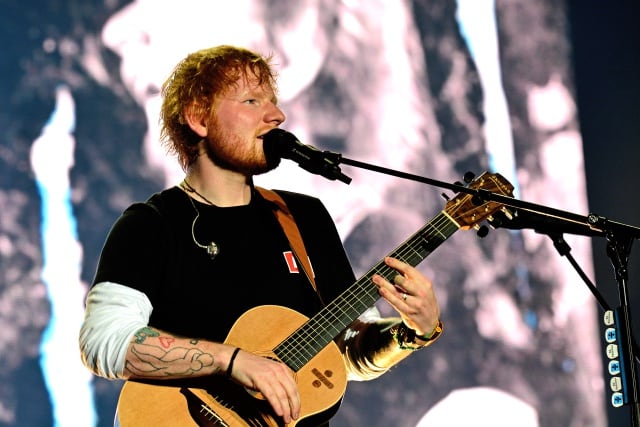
(114, 313)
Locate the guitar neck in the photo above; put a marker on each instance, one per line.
(301, 346)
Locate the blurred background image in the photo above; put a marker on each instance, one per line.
(543, 92)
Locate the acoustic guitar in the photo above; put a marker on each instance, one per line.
(305, 345)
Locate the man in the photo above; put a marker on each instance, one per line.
(177, 271)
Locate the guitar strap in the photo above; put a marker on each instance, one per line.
(288, 224)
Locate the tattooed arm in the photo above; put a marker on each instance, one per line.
(156, 354)
(117, 342)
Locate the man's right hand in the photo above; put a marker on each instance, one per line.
(273, 379)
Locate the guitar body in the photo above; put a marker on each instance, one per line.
(217, 401)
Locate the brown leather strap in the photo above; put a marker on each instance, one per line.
(290, 228)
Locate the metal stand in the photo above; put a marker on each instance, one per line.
(621, 349)
(619, 244)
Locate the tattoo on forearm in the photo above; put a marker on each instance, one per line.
(144, 333)
(179, 361)
(166, 341)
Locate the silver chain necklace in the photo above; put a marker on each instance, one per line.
(212, 248)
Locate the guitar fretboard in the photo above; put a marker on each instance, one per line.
(302, 345)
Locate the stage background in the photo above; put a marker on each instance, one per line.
(410, 85)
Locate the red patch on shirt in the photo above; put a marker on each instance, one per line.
(291, 262)
(290, 259)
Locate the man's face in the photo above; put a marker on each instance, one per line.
(239, 119)
(151, 36)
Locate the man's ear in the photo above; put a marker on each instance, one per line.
(196, 119)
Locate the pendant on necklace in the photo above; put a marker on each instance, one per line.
(213, 250)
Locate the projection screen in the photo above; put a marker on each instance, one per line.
(434, 88)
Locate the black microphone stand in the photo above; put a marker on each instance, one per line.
(621, 349)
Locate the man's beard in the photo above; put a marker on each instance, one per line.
(229, 152)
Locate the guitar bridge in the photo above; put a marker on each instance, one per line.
(229, 406)
(211, 416)
(201, 412)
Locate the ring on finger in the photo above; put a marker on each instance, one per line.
(404, 297)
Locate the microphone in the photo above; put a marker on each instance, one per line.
(278, 143)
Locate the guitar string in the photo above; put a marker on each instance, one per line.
(300, 339)
(436, 223)
(402, 254)
(310, 333)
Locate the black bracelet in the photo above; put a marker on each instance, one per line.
(233, 358)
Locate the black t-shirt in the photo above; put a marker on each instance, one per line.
(153, 251)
